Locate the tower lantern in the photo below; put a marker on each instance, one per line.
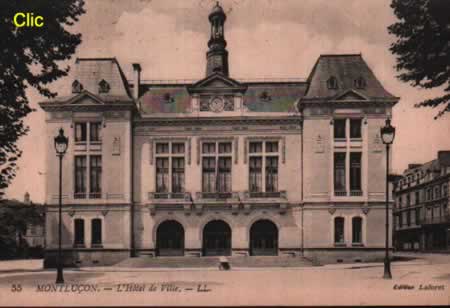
(217, 55)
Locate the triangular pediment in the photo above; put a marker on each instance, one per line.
(85, 98)
(350, 95)
(217, 82)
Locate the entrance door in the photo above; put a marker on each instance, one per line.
(170, 239)
(217, 239)
(264, 238)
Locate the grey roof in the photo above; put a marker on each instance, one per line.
(346, 69)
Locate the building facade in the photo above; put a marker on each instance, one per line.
(421, 215)
(219, 166)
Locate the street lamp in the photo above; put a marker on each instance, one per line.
(387, 135)
(61, 143)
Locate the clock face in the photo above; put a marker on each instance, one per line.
(216, 104)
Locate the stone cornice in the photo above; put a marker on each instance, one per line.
(217, 121)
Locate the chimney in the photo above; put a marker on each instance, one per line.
(136, 79)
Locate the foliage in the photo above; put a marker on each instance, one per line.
(15, 217)
(30, 56)
(422, 47)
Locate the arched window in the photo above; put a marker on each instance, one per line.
(103, 86)
(332, 83)
(78, 232)
(357, 230)
(96, 232)
(360, 83)
(77, 87)
(339, 237)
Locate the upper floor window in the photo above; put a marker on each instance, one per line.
(332, 83)
(170, 167)
(355, 128)
(216, 166)
(95, 176)
(339, 128)
(417, 197)
(360, 83)
(263, 166)
(339, 173)
(445, 190)
(417, 216)
(408, 199)
(355, 171)
(82, 128)
(400, 202)
(103, 86)
(437, 192)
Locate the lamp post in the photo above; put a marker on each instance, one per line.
(61, 143)
(387, 135)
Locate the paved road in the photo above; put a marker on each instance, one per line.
(417, 282)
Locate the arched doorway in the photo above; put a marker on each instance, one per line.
(170, 239)
(264, 238)
(217, 239)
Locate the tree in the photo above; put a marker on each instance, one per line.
(30, 57)
(422, 47)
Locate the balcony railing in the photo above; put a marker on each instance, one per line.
(217, 195)
(266, 194)
(169, 196)
(356, 193)
(340, 193)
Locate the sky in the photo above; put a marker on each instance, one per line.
(266, 39)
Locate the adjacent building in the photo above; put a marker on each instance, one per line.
(421, 215)
(219, 166)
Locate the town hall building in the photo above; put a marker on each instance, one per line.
(219, 166)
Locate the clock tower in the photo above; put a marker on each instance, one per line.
(217, 55)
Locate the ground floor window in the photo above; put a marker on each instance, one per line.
(339, 238)
(96, 232)
(78, 232)
(357, 230)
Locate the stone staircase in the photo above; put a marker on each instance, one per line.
(213, 262)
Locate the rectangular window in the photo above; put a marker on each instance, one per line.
(339, 172)
(255, 184)
(400, 218)
(271, 174)
(417, 197)
(408, 199)
(178, 174)
(78, 232)
(162, 148)
(339, 129)
(224, 180)
(95, 178)
(80, 177)
(209, 174)
(96, 232)
(225, 147)
(255, 147)
(356, 230)
(80, 132)
(272, 147)
(162, 174)
(177, 148)
(355, 171)
(408, 218)
(95, 131)
(355, 128)
(417, 216)
(209, 148)
(339, 230)
(400, 202)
